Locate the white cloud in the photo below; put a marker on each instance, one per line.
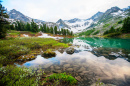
(52, 10)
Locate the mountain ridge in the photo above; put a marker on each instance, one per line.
(75, 24)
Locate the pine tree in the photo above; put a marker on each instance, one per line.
(55, 29)
(62, 31)
(47, 30)
(112, 30)
(3, 22)
(51, 30)
(59, 32)
(68, 32)
(71, 33)
(12, 27)
(28, 27)
(44, 26)
(126, 25)
(34, 26)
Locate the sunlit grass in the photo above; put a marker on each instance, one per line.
(15, 47)
(62, 78)
(16, 76)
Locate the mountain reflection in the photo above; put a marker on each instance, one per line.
(110, 48)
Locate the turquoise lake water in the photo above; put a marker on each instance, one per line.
(93, 59)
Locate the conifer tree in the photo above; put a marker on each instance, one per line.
(44, 28)
(112, 30)
(71, 33)
(51, 30)
(34, 26)
(12, 27)
(62, 31)
(3, 22)
(47, 30)
(126, 25)
(28, 27)
(55, 29)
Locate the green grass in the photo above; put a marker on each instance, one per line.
(87, 33)
(60, 45)
(13, 48)
(62, 78)
(106, 25)
(16, 76)
(96, 32)
(116, 34)
(13, 32)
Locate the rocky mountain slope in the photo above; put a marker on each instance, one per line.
(14, 14)
(113, 17)
(76, 24)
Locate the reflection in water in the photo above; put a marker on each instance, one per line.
(40, 61)
(93, 58)
(100, 42)
(109, 48)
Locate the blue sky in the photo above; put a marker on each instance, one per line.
(52, 10)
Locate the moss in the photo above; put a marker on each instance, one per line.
(61, 79)
(60, 45)
(49, 53)
(26, 57)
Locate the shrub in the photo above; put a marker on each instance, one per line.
(16, 76)
(113, 34)
(61, 78)
(96, 32)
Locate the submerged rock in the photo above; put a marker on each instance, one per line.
(70, 50)
(61, 50)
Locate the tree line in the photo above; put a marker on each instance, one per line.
(33, 27)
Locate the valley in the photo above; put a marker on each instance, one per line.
(92, 51)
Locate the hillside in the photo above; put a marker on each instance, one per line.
(113, 17)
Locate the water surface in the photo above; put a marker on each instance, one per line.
(93, 59)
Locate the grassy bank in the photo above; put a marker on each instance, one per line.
(12, 48)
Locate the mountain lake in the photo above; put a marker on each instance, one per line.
(103, 59)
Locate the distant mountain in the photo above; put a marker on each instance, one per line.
(62, 24)
(73, 20)
(124, 9)
(76, 24)
(14, 14)
(97, 16)
(108, 14)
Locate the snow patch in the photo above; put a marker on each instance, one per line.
(13, 13)
(47, 36)
(79, 26)
(116, 13)
(25, 35)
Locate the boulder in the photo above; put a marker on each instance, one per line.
(48, 53)
(70, 50)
